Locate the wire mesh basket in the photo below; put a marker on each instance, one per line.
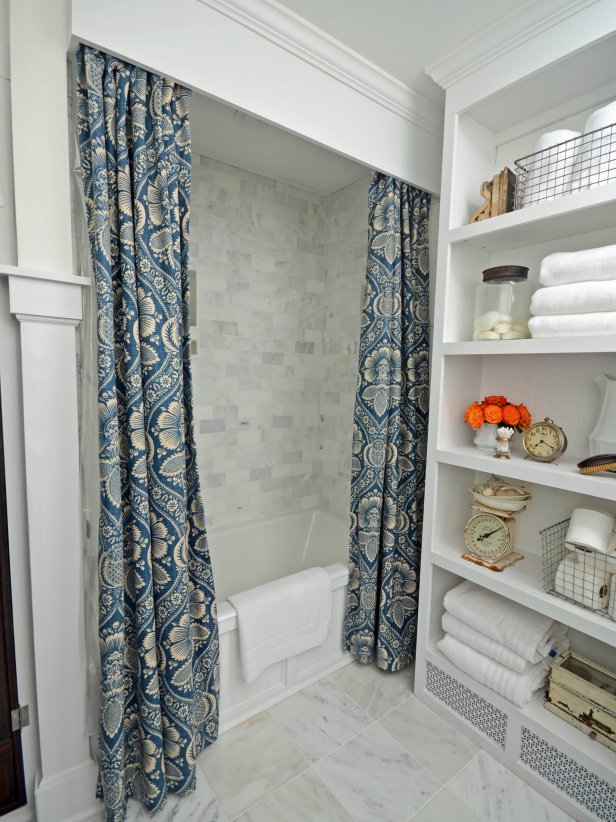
(579, 575)
(574, 165)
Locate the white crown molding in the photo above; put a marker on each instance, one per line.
(517, 27)
(287, 30)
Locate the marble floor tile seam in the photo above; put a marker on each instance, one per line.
(311, 765)
(282, 787)
(330, 679)
(426, 767)
(224, 817)
(443, 786)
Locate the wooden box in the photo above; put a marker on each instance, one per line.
(584, 694)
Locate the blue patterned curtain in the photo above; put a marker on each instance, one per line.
(390, 431)
(157, 625)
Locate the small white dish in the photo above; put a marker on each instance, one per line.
(500, 503)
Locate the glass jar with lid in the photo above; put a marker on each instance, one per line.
(502, 304)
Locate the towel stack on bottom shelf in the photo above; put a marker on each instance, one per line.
(579, 298)
(499, 643)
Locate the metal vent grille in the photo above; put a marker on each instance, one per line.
(568, 776)
(473, 708)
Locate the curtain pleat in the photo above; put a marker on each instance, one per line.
(390, 430)
(158, 631)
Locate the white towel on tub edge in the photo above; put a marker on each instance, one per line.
(281, 619)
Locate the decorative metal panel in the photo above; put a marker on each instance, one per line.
(589, 790)
(476, 710)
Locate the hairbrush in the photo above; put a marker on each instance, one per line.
(600, 462)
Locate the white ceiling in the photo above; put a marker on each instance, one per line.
(240, 139)
(399, 36)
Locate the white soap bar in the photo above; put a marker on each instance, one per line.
(513, 335)
(502, 327)
(487, 320)
(489, 335)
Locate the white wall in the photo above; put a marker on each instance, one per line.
(12, 421)
(259, 67)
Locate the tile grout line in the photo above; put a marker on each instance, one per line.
(288, 782)
(218, 802)
(311, 765)
(337, 747)
(444, 786)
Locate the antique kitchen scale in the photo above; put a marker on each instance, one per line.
(490, 531)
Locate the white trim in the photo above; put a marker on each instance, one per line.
(520, 25)
(287, 30)
(46, 320)
(37, 274)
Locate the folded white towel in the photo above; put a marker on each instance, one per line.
(573, 325)
(526, 632)
(517, 688)
(281, 619)
(575, 298)
(578, 266)
(559, 642)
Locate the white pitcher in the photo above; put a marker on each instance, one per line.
(602, 440)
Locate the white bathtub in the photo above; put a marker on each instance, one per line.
(250, 555)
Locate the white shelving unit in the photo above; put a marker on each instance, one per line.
(486, 127)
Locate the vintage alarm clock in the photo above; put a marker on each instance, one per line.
(489, 536)
(544, 441)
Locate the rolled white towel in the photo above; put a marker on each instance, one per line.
(583, 582)
(578, 266)
(517, 688)
(575, 298)
(573, 325)
(549, 172)
(526, 632)
(595, 162)
(559, 642)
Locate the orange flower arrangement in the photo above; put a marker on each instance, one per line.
(497, 410)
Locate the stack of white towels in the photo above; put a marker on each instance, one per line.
(579, 297)
(499, 643)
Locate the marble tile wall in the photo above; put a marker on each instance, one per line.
(257, 250)
(346, 245)
(279, 274)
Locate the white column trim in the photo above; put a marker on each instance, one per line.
(48, 308)
(34, 318)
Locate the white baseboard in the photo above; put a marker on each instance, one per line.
(69, 796)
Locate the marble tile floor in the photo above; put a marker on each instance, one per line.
(355, 747)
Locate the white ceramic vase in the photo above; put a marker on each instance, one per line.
(602, 440)
(485, 438)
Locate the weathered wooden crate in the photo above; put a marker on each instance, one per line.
(584, 694)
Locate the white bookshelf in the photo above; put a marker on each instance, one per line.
(487, 127)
